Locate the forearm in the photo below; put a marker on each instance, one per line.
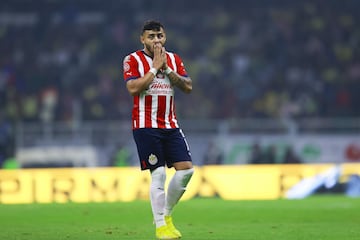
(183, 83)
(136, 86)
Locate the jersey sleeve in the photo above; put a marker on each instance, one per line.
(130, 68)
(180, 66)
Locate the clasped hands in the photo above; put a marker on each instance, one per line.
(159, 60)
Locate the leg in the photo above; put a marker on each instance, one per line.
(177, 154)
(157, 199)
(178, 183)
(175, 191)
(157, 195)
(150, 150)
(178, 150)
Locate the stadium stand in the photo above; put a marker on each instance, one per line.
(62, 60)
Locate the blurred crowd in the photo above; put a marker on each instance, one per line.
(62, 60)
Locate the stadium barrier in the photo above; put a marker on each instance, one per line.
(229, 182)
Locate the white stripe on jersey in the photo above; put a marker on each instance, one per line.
(167, 112)
(142, 96)
(154, 106)
(140, 64)
(172, 58)
(141, 112)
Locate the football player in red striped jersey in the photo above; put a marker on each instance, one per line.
(151, 75)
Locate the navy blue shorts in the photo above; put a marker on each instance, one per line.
(159, 147)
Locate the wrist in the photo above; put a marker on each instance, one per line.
(168, 70)
(153, 71)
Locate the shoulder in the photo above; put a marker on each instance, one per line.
(133, 55)
(174, 56)
(130, 63)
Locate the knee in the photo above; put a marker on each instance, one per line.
(183, 165)
(185, 175)
(158, 176)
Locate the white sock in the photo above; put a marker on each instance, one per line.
(176, 189)
(157, 195)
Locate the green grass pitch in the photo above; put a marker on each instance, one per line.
(319, 217)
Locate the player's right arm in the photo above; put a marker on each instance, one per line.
(136, 84)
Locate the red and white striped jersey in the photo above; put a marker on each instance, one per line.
(154, 107)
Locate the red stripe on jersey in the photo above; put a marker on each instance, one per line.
(180, 66)
(172, 116)
(169, 62)
(144, 61)
(135, 113)
(148, 109)
(161, 111)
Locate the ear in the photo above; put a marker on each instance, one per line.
(142, 39)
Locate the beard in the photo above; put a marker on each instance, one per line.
(149, 49)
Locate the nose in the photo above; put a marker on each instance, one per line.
(156, 39)
(157, 43)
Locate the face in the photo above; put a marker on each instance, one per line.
(150, 38)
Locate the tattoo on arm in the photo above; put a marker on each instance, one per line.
(183, 83)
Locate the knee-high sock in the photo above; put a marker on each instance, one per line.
(157, 195)
(176, 188)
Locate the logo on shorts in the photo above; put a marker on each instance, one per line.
(153, 159)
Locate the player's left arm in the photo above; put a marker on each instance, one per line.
(183, 83)
(179, 78)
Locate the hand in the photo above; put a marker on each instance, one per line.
(159, 56)
(163, 56)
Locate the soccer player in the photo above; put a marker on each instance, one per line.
(151, 74)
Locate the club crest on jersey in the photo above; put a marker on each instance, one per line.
(126, 64)
(153, 159)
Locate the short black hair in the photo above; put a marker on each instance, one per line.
(152, 25)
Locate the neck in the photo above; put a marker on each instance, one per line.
(147, 52)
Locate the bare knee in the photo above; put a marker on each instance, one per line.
(183, 165)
